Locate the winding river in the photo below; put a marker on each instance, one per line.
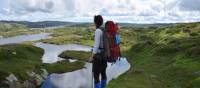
(81, 78)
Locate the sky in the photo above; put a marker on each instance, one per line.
(125, 11)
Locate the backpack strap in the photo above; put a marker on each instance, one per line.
(102, 40)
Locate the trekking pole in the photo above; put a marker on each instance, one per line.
(92, 73)
(92, 76)
(92, 81)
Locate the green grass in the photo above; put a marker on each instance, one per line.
(79, 55)
(10, 30)
(171, 60)
(63, 66)
(69, 35)
(20, 58)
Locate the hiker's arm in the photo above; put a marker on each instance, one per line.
(96, 45)
(97, 41)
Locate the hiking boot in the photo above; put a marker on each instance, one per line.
(98, 85)
(103, 83)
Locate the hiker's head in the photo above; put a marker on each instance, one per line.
(98, 20)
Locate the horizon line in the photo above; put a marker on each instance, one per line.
(104, 22)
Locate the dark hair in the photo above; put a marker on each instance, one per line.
(98, 20)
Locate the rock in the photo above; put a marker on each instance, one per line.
(14, 53)
(153, 76)
(28, 84)
(197, 73)
(13, 82)
(34, 81)
(35, 78)
(11, 78)
(44, 73)
(39, 79)
(4, 84)
(31, 74)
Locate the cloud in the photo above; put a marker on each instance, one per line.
(147, 11)
(21, 7)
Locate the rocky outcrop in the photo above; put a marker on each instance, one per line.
(34, 81)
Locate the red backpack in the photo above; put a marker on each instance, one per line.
(112, 49)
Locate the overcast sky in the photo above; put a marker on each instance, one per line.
(131, 11)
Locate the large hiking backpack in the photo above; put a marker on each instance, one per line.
(111, 42)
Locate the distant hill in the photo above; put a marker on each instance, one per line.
(41, 24)
(144, 25)
(44, 24)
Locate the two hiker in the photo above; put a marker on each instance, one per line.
(106, 49)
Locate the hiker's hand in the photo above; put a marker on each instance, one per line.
(90, 59)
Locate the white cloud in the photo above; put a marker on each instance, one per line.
(31, 6)
(138, 11)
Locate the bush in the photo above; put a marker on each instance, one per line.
(146, 38)
(194, 34)
(196, 83)
(173, 31)
(186, 30)
(194, 51)
(166, 50)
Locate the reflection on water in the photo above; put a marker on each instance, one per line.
(23, 38)
(83, 78)
(52, 51)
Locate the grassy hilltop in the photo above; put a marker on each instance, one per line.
(163, 58)
(160, 57)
